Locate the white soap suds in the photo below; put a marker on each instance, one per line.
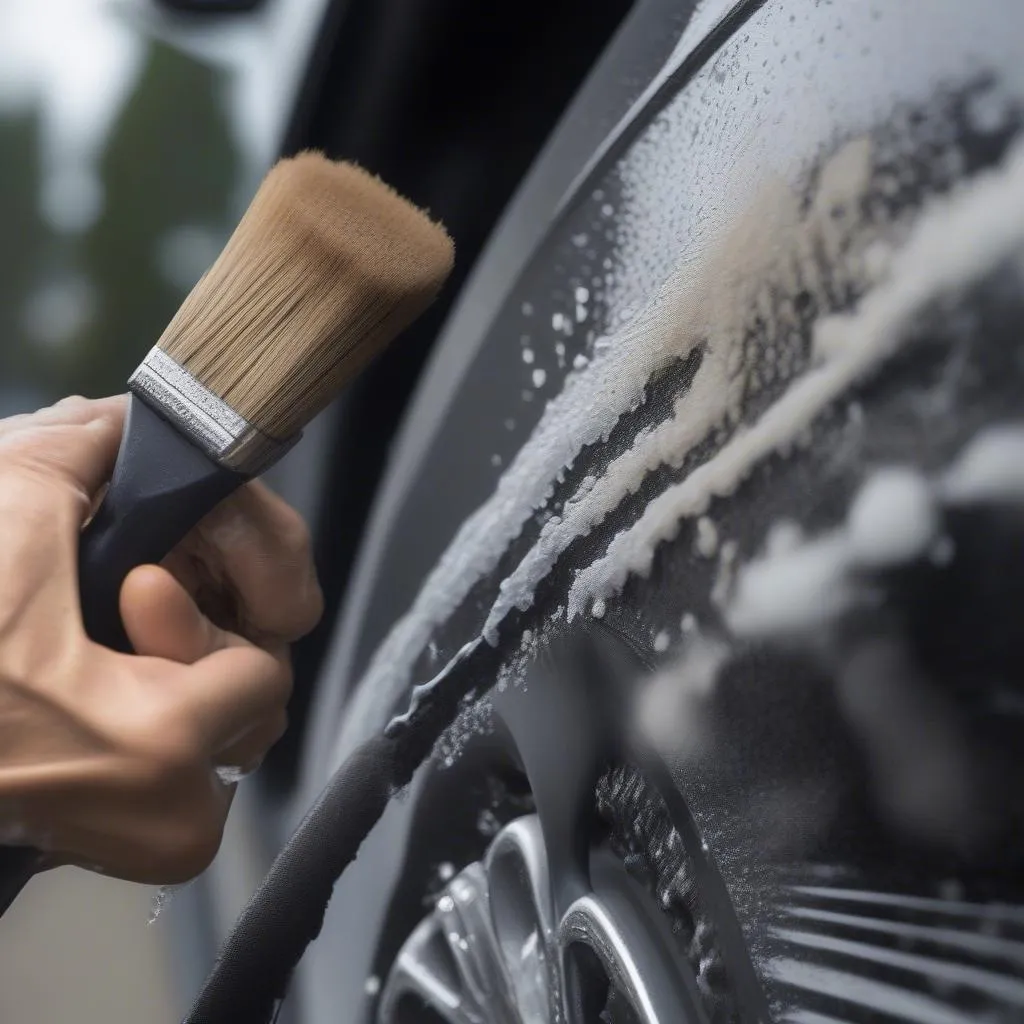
(955, 240)
(893, 519)
(706, 543)
(157, 905)
(584, 413)
(984, 217)
(783, 537)
(990, 469)
(230, 775)
(769, 243)
(722, 587)
(792, 592)
(475, 718)
(670, 711)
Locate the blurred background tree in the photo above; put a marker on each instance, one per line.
(78, 309)
(21, 247)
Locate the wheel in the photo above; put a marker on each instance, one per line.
(742, 437)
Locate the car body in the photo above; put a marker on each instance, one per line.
(700, 441)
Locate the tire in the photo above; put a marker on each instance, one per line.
(760, 746)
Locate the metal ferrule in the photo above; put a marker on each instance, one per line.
(204, 418)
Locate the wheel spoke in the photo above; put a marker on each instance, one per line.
(490, 952)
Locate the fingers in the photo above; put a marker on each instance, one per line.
(67, 412)
(114, 755)
(73, 444)
(238, 697)
(235, 694)
(240, 714)
(51, 462)
(162, 620)
(246, 754)
(255, 549)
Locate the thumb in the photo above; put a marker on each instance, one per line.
(162, 620)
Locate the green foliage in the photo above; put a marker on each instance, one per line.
(169, 161)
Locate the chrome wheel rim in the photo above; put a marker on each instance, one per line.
(547, 926)
(491, 951)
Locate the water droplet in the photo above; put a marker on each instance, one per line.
(160, 900)
(487, 823)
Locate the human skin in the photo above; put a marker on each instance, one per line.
(108, 760)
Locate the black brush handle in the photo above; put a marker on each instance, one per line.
(162, 486)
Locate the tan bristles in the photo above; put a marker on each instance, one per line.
(326, 267)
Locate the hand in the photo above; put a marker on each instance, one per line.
(109, 760)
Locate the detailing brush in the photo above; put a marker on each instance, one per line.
(326, 266)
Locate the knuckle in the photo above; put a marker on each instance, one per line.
(192, 845)
(296, 535)
(30, 469)
(72, 401)
(300, 615)
(169, 751)
(316, 604)
(279, 726)
(39, 516)
(279, 686)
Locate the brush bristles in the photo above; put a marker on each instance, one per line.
(326, 267)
